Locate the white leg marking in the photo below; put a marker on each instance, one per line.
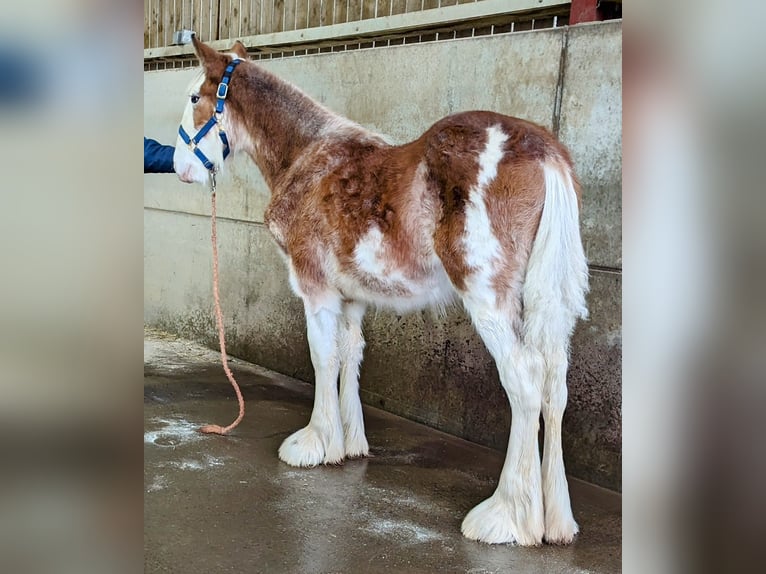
(514, 513)
(351, 352)
(322, 440)
(560, 525)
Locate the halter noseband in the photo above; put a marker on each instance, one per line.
(221, 93)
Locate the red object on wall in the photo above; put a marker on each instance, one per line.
(584, 11)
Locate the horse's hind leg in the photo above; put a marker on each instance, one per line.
(351, 343)
(560, 525)
(549, 320)
(322, 440)
(514, 513)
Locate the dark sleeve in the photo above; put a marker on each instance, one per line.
(158, 158)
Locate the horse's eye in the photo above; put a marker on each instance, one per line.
(194, 99)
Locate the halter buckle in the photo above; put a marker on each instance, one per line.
(212, 173)
(223, 90)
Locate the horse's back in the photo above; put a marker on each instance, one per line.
(458, 140)
(488, 172)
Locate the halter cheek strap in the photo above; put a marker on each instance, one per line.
(220, 95)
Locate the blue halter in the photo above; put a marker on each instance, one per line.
(221, 93)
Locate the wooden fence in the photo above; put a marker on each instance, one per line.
(224, 19)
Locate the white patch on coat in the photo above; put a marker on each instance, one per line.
(482, 248)
(425, 284)
(397, 291)
(370, 257)
(367, 253)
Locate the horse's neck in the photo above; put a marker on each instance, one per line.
(280, 120)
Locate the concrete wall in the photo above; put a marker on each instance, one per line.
(434, 370)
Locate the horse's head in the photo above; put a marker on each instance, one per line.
(203, 139)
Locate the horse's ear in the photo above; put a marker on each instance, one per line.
(214, 62)
(239, 49)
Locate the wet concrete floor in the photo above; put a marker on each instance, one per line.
(228, 504)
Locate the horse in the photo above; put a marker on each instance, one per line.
(482, 208)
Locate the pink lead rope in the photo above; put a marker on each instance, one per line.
(216, 429)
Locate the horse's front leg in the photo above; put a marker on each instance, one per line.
(351, 350)
(322, 440)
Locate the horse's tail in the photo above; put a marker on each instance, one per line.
(557, 273)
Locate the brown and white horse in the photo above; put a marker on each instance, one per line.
(482, 208)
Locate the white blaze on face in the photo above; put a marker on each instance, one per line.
(188, 166)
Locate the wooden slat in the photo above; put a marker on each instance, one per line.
(267, 13)
(186, 12)
(232, 30)
(354, 10)
(170, 20)
(213, 15)
(196, 6)
(254, 21)
(383, 8)
(159, 25)
(279, 16)
(244, 17)
(164, 18)
(147, 23)
(313, 13)
(325, 13)
(301, 14)
(205, 21)
(398, 6)
(341, 11)
(155, 23)
(368, 9)
(413, 6)
(177, 21)
(290, 8)
(224, 20)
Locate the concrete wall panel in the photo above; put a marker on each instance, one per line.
(591, 126)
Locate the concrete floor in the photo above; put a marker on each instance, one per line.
(227, 504)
